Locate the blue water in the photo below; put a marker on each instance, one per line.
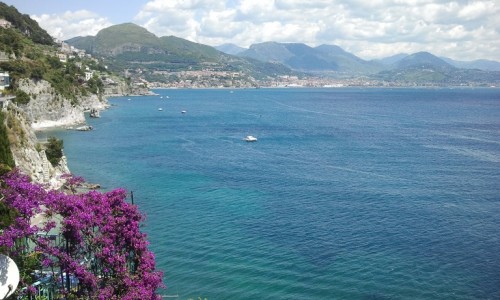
(348, 193)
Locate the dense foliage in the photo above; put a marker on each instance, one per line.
(7, 215)
(6, 158)
(54, 150)
(100, 252)
(21, 97)
(25, 24)
(36, 62)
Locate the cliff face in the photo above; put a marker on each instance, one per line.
(45, 109)
(28, 152)
(48, 109)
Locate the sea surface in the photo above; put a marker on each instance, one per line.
(347, 194)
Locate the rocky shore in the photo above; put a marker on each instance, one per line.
(45, 110)
(48, 109)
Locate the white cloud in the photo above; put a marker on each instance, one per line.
(72, 23)
(478, 9)
(462, 29)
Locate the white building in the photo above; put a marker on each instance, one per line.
(88, 75)
(4, 80)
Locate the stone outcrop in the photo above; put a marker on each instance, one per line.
(48, 109)
(28, 152)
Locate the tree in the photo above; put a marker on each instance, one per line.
(54, 150)
(100, 244)
(22, 97)
(6, 158)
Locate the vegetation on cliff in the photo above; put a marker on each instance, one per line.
(6, 158)
(36, 62)
(25, 24)
(54, 150)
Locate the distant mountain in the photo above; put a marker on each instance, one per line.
(424, 67)
(297, 56)
(82, 42)
(348, 61)
(422, 60)
(133, 48)
(391, 59)
(129, 46)
(481, 64)
(25, 24)
(230, 49)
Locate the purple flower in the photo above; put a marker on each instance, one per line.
(100, 242)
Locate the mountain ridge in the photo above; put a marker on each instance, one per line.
(159, 59)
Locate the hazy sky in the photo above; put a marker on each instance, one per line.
(460, 29)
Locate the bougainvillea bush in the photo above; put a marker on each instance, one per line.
(99, 244)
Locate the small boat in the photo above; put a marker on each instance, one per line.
(183, 111)
(160, 109)
(250, 138)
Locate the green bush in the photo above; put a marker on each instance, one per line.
(54, 150)
(22, 97)
(6, 158)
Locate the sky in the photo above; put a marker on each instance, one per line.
(460, 29)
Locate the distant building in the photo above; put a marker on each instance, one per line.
(65, 48)
(88, 75)
(62, 57)
(4, 80)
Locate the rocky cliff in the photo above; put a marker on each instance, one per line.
(28, 152)
(48, 109)
(45, 109)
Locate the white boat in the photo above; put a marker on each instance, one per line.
(160, 109)
(183, 112)
(250, 138)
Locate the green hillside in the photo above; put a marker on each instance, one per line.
(130, 42)
(202, 52)
(37, 61)
(160, 59)
(125, 37)
(25, 24)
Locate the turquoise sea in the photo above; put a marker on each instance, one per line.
(348, 193)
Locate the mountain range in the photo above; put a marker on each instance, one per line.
(264, 51)
(129, 46)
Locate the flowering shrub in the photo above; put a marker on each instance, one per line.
(100, 243)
